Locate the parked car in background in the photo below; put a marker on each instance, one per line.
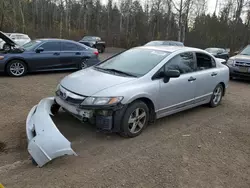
(126, 92)
(45, 55)
(219, 53)
(164, 43)
(239, 64)
(94, 42)
(19, 38)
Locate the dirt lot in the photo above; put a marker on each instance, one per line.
(202, 147)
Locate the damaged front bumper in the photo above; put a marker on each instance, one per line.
(45, 142)
(105, 118)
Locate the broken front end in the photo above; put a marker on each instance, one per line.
(104, 112)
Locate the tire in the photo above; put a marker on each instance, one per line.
(33, 161)
(137, 125)
(55, 109)
(16, 68)
(102, 49)
(83, 64)
(217, 96)
(6, 47)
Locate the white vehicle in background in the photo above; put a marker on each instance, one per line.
(19, 38)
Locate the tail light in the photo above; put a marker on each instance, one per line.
(96, 53)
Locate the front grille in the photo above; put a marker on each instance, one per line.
(242, 64)
(70, 100)
(70, 97)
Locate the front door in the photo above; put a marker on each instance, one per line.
(47, 59)
(178, 93)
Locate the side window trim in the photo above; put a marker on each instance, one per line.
(49, 42)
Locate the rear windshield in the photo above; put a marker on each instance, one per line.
(137, 61)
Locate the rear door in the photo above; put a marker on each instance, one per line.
(206, 77)
(47, 59)
(70, 55)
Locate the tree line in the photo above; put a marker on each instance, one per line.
(127, 23)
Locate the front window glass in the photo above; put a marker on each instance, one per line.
(51, 46)
(183, 62)
(135, 61)
(245, 51)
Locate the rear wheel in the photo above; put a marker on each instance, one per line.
(83, 64)
(16, 68)
(217, 96)
(135, 119)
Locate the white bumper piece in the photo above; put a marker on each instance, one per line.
(45, 142)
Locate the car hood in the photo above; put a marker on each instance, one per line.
(6, 39)
(90, 81)
(245, 58)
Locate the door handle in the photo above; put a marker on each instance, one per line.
(78, 53)
(191, 79)
(214, 74)
(56, 53)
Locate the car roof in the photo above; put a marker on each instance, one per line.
(170, 49)
(55, 39)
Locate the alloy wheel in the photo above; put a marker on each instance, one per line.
(217, 95)
(137, 120)
(17, 69)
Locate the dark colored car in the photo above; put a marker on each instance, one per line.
(45, 55)
(239, 65)
(164, 43)
(94, 42)
(219, 53)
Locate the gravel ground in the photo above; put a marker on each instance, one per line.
(202, 147)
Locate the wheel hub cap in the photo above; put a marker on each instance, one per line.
(137, 120)
(17, 69)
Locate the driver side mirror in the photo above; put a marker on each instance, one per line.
(170, 74)
(40, 49)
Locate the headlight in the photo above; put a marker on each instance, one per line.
(101, 100)
(231, 62)
(1, 57)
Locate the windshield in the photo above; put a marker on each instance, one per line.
(30, 45)
(135, 61)
(245, 51)
(154, 43)
(89, 38)
(212, 50)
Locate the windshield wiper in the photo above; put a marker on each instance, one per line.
(117, 71)
(244, 54)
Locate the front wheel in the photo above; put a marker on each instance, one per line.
(217, 96)
(16, 68)
(135, 119)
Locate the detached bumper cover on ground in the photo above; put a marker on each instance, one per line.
(45, 142)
